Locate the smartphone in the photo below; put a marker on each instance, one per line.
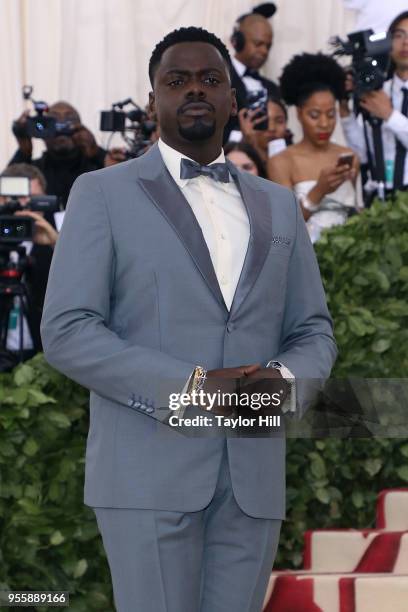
(345, 159)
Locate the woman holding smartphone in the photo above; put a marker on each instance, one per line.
(322, 173)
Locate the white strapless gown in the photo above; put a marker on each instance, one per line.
(334, 208)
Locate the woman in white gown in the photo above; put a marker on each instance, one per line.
(321, 173)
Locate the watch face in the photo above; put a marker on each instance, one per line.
(275, 364)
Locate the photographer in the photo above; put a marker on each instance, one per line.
(276, 135)
(39, 252)
(252, 39)
(390, 104)
(69, 153)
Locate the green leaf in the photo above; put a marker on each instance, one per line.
(30, 447)
(317, 467)
(23, 375)
(357, 499)
(323, 496)
(356, 326)
(403, 472)
(372, 466)
(40, 398)
(80, 568)
(57, 538)
(58, 418)
(382, 345)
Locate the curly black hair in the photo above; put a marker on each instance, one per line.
(308, 73)
(191, 34)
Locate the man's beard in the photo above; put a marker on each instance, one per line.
(198, 131)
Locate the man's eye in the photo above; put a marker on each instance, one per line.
(175, 82)
(212, 79)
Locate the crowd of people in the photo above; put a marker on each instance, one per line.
(259, 140)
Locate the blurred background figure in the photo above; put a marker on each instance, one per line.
(375, 14)
(390, 105)
(276, 135)
(68, 154)
(245, 157)
(251, 40)
(320, 172)
(34, 262)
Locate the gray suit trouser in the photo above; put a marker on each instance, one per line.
(214, 560)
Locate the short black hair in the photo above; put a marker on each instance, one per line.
(308, 73)
(191, 34)
(396, 21)
(391, 29)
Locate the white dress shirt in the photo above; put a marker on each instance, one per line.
(395, 127)
(222, 216)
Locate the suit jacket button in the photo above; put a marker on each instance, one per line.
(136, 404)
(149, 409)
(142, 407)
(131, 402)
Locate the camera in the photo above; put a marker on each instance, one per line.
(134, 126)
(370, 54)
(14, 230)
(40, 125)
(258, 101)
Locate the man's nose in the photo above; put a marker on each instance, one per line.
(195, 90)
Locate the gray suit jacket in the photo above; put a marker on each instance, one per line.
(133, 304)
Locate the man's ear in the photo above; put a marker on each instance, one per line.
(152, 102)
(234, 103)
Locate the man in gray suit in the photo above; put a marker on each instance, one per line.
(173, 270)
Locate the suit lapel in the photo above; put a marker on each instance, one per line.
(260, 219)
(166, 195)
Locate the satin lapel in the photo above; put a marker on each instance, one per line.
(169, 199)
(260, 219)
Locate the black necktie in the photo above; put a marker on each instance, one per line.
(253, 74)
(401, 151)
(191, 169)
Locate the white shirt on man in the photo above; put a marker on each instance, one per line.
(222, 216)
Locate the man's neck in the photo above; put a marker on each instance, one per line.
(203, 152)
(402, 73)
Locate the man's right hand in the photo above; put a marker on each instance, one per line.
(24, 141)
(225, 380)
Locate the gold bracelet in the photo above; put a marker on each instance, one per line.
(199, 377)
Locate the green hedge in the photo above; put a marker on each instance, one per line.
(49, 539)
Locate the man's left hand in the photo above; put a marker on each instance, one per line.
(265, 380)
(377, 103)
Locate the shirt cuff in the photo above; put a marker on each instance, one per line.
(290, 403)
